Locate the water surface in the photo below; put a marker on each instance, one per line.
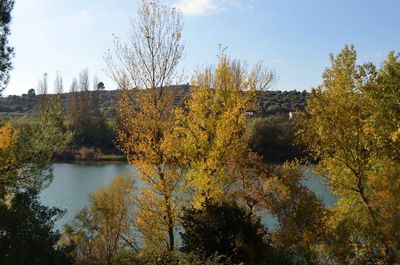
(74, 181)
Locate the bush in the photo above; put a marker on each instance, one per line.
(165, 258)
(229, 230)
(27, 234)
(85, 153)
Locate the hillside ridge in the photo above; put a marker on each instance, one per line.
(270, 102)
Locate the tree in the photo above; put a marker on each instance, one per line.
(273, 138)
(384, 98)
(27, 234)
(26, 151)
(58, 84)
(208, 137)
(103, 229)
(6, 51)
(228, 230)
(73, 104)
(95, 100)
(31, 93)
(301, 217)
(145, 69)
(82, 120)
(43, 97)
(84, 93)
(338, 132)
(100, 86)
(87, 124)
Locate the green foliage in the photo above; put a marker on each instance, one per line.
(25, 162)
(6, 51)
(31, 93)
(269, 103)
(272, 103)
(273, 138)
(228, 230)
(301, 216)
(157, 257)
(27, 234)
(384, 98)
(349, 126)
(85, 120)
(92, 131)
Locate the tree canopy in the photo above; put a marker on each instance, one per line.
(355, 152)
(27, 234)
(6, 51)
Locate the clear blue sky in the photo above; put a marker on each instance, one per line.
(293, 37)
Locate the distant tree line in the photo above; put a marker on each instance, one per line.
(269, 102)
(91, 118)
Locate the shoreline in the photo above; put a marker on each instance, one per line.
(99, 158)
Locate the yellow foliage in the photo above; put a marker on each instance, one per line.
(145, 125)
(208, 132)
(8, 136)
(100, 231)
(395, 136)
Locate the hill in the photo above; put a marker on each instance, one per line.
(269, 102)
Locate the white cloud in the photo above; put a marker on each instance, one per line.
(82, 16)
(193, 8)
(275, 60)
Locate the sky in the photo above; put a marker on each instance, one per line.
(292, 37)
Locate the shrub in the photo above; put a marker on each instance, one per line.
(86, 153)
(165, 258)
(229, 230)
(27, 234)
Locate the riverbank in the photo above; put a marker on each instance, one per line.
(87, 154)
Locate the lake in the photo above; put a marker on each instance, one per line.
(74, 181)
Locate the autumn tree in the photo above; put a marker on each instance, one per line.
(337, 130)
(208, 138)
(6, 51)
(384, 98)
(145, 69)
(301, 216)
(104, 228)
